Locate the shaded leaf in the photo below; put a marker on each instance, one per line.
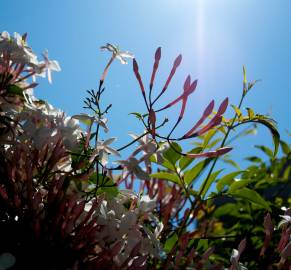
(251, 196)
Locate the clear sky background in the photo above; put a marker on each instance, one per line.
(215, 37)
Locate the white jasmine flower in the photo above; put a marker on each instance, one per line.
(103, 150)
(117, 53)
(132, 167)
(47, 66)
(89, 120)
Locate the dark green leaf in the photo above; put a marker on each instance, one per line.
(251, 196)
(15, 90)
(285, 147)
(170, 242)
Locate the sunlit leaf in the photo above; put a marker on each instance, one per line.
(236, 185)
(186, 161)
(275, 134)
(227, 180)
(208, 182)
(250, 113)
(171, 153)
(167, 176)
(192, 174)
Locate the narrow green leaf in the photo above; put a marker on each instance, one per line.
(250, 113)
(238, 112)
(285, 147)
(236, 185)
(265, 149)
(251, 196)
(207, 138)
(275, 133)
(170, 242)
(206, 185)
(137, 115)
(191, 175)
(227, 180)
(172, 155)
(186, 161)
(254, 159)
(167, 176)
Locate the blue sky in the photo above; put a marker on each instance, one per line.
(215, 37)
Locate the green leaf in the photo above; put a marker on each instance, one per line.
(207, 183)
(236, 185)
(191, 175)
(265, 149)
(227, 180)
(172, 155)
(167, 176)
(137, 115)
(15, 90)
(186, 161)
(227, 160)
(251, 196)
(170, 242)
(238, 112)
(254, 159)
(105, 185)
(250, 113)
(207, 138)
(274, 132)
(166, 164)
(202, 245)
(285, 147)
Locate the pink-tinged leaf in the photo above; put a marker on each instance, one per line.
(152, 120)
(193, 86)
(286, 252)
(187, 86)
(207, 253)
(242, 246)
(178, 61)
(284, 239)
(268, 225)
(215, 121)
(135, 66)
(223, 106)
(187, 83)
(137, 75)
(156, 65)
(184, 95)
(158, 54)
(269, 228)
(216, 153)
(206, 113)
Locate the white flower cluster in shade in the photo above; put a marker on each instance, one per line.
(127, 225)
